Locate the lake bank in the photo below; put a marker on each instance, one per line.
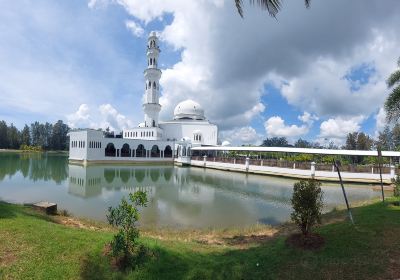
(370, 250)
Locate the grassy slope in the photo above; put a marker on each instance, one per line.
(32, 247)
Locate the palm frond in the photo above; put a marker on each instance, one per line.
(392, 105)
(272, 6)
(239, 8)
(393, 79)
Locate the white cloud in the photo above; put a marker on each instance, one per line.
(276, 127)
(380, 121)
(225, 69)
(135, 28)
(308, 119)
(336, 129)
(242, 135)
(102, 117)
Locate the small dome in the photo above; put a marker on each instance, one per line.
(225, 144)
(189, 110)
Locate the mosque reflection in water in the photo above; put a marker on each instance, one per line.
(186, 196)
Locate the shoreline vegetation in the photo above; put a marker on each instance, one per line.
(33, 150)
(34, 245)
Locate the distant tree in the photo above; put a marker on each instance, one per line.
(275, 142)
(25, 136)
(35, 134)
(364, 142)
(47, 132)
(385, 139)
(300, 143)
(272, 6)
(332, 146)
(3, 135)
(358, 141)
(396, 136)
(13, 137)
(351, 141)
(59, 136)
(392, 104)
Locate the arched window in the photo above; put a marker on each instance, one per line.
(155, 151)
(140, 151)
(125, 151)
(149, 84)
(183, 151)
(154, 85)
(168, 152)
(154, 123)
(188, 151)
(110, 150)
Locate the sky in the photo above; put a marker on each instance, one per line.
(316, 74)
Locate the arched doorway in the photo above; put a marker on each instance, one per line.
(155, 151)
(110, 150)
(168, 152)
(125, 151)
(140, 151)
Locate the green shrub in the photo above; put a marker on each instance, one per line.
(396, 190)
(307, 205)
(125, 247)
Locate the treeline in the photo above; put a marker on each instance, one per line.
(354, 141)
(45, 136)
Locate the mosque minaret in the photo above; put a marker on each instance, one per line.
(151, 140)
(152, 77)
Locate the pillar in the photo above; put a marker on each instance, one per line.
(204, 160)
(392, 171)
(313, 169)
(247, 164)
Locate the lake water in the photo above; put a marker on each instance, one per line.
(179, 197)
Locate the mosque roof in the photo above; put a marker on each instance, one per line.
(189, 110)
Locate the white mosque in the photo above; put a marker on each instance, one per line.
(152, 140)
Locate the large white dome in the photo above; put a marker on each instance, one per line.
(188, 109)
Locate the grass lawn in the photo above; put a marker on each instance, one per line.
(34, 246)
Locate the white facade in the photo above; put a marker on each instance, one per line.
(151, 140)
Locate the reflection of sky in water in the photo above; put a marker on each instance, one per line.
(178, 197)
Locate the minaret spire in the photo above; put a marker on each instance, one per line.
(152, 77)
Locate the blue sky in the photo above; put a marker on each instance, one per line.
(309, 74)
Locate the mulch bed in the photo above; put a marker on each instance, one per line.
(313, 241)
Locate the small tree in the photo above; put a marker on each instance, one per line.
(307, 205)
(125, 245)
(396, 187)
